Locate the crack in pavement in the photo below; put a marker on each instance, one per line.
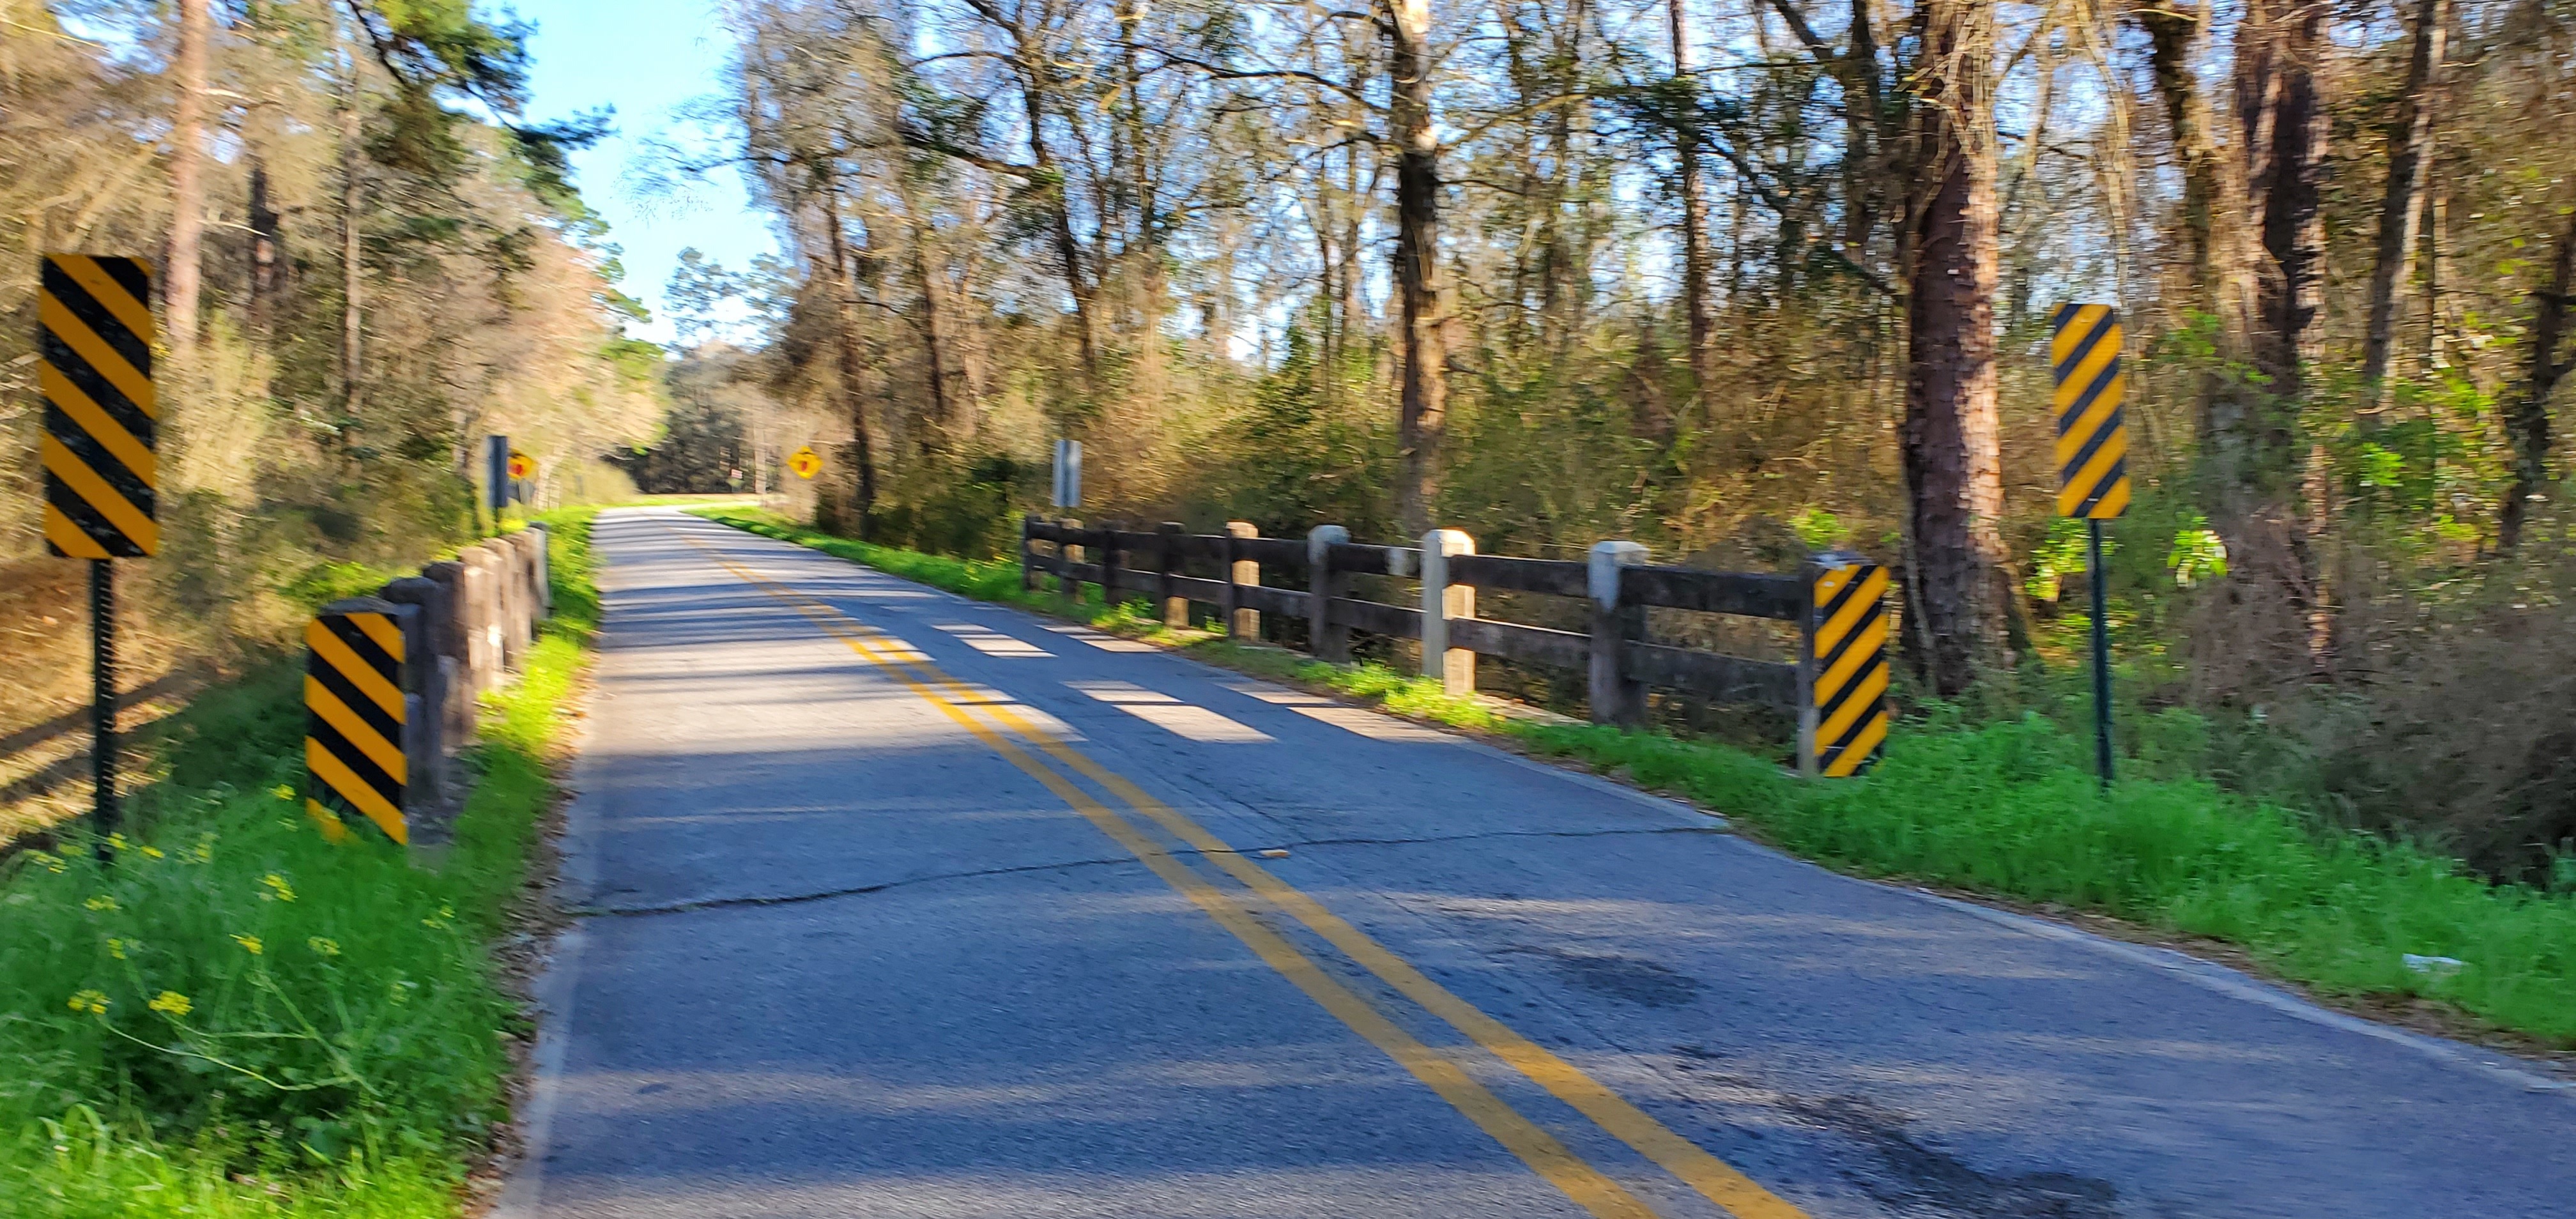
(1609, 833)
(790, 899)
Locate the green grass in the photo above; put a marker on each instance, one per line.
(2008, 809)
(240, 1018)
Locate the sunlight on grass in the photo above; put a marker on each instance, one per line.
(240, 1018)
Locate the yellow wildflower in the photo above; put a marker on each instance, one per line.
(101, 903)
(116, 948)
(116, 842)
(152, 853)
(90, 1001)
(250, 944)
(279, 890)
(173, 1004)
(327, 947)
(51, 862)
(283, 791)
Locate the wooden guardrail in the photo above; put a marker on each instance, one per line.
(1836, 683)
(466, 624)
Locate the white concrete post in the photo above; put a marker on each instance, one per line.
(1442, 601)
(1615, 699)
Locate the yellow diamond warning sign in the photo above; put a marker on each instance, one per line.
(804, 461)
(522, 466)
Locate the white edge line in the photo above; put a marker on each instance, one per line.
(2215, 978)
(2220, 979)
(576, 878)
(554, 1041)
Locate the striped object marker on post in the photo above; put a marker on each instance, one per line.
(354, 718)
(2092, 469)
(1846, 715)
(94, 334)
(2092, 428)
(94, 341)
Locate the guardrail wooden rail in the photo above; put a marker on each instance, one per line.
(1837, 734)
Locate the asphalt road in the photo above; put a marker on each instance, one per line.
(902, 905)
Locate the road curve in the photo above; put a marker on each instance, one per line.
(893, 903)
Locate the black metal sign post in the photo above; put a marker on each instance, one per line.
(102, 702)
(496, 476)
(2101, 653)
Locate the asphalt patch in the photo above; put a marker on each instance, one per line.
(1625, 978)
(1920, 1179)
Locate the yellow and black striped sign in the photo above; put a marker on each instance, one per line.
(353, 722)
(2092, 431)
(1850, 690)
(94, 341)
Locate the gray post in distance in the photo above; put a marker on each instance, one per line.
(1328, 639)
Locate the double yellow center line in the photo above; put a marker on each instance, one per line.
(1711, 1177)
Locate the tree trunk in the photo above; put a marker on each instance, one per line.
(952, 401)
(2175, 39)
(265, 254)
(180, 284)
(352, 266)
(1418, 269)
(1068, 248)
(2398, 210)
(2529, 423)
(2282, 114)
(1864, 106)
(1952, 443)
(1695, 302)
(2284, 120)
(851, 362)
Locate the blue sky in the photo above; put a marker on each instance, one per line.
(648, 59)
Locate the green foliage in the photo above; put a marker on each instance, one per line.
(240, 1018)
(329, 581)
(961, 508)
(2197, 554)
(1819, 529)
(2012, 808)
(2059, 555)
(1307, 450)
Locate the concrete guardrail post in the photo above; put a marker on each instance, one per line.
(1327, 639)
(1615, 699)
(508, 591)
(541, 569)
(1242, 622)
(424, 728)
(525, 547)
(479, 582)
(1442, 601)
(1176, 608)
(455, 661)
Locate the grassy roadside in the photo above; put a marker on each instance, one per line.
(2008, 810)
(241, 1019)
